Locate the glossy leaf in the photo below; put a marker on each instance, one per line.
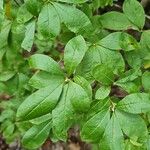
(73, 1)
(48, 21)
(45, 63)
(64, 110)
(103, 74)
(29, 36)
(42, 79)
(76, 21)
(97, 55)
(113, 137)
(84, 84)
(135, 103)
(4, 34)
(115, 21)
(102, 92)
(101, 3)
(146, 80)
(94, 128)
(4, 76)
(33, 6)
(129, 123)
(118, 41)
(36, 135)
(135, 12)
(41, 119)
(80, 99)
(74, 53)
(39, 103)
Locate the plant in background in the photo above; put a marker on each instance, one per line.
(64, 64)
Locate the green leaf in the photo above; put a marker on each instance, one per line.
(101, 3)
(135, 12)
(84, 84)
(103, 74)
(145, 49)
(42, 79)
(129, 80)
(76, 21)
(29, 36)
(111, 41)
(97, 106)
(135, 103)
(45, 63)
(9, 130)
(4, 33)
(115, 21)
(102, 92)
(94, 128)
(145, 40)
(113, 137)
(41, 119)
(36, 135)
(128, 42)
(39, 103)
(129, 75)
(23, 15)
(5, 76)
(97, 55)
(80, 99)
(146, 80)
(118, 41)
(134, 59)
(1, 5)
(73, 1)
(33, 6)
(7, 114)
(63, 115)
(48, 21)
(74, 53)
(129, 124)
